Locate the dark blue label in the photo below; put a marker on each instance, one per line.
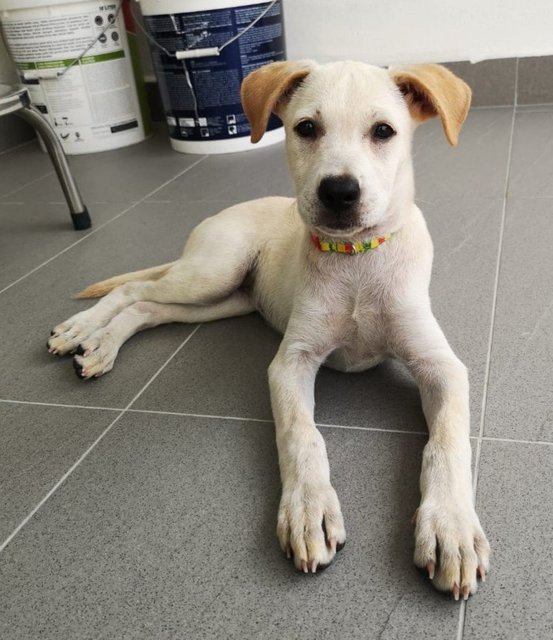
(211, 110)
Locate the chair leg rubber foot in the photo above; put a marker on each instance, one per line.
(81, 220)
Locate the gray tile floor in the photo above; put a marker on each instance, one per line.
(143, 504)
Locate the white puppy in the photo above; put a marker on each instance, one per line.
(343, 272)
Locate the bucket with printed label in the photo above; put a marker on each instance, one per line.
(202, 50)
(76, 62)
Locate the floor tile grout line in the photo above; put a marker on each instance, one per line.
(479, 107)
(105, 224)
(522, 197)
(461, 623)
(483, 406)
(374, 429)
(24, 186)
(170, 359)
(58, 484)
(547, 443)
(104, 433)
(59, 203)
(228, 202)
(521, 110)
(17, 146)
(187, 414)
(534, 105)
(59, 405)
(515, 101)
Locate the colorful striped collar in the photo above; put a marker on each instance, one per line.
(351, 248)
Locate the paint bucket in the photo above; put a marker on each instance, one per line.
(88, 93)
(200, 60)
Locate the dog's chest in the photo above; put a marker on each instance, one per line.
(355, 315)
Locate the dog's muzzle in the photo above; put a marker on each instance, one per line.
(339, 196)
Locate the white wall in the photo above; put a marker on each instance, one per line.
(395, 31)
(391, 31)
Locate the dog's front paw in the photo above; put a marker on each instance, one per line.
(451, 545)
(310, 525)
(67, 336)
(96, 355)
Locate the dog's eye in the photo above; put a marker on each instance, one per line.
(382, 131)
(306, 129)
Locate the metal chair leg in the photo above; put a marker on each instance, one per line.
(79, 213)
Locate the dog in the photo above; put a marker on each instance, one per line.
(342, 272)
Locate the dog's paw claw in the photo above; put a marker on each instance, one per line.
(482, 573)
(431, 568)
(68, 336)
(310, 526)
(78, 367)
(452, 547)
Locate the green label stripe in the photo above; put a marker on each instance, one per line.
(53, 64)
(103, 57)
(58, 64)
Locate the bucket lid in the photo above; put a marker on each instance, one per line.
(156, 7)
(16, 5)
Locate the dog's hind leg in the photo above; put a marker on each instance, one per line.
(214, 265)
(96, 355)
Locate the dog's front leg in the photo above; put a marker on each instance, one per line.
(449, 540)
(310, 524)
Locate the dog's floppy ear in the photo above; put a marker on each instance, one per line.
(432, 90)
(266, 87)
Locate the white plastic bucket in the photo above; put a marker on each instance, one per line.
(208, 118)
(94, 106)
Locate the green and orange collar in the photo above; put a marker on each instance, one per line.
(351, 248)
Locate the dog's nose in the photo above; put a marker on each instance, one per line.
(339, 192)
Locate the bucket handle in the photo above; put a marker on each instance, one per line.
(185, 54)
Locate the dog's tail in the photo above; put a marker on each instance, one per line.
(100, 289)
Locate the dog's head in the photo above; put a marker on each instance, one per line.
(348, 129)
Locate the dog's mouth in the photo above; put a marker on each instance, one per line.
(336, 230)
